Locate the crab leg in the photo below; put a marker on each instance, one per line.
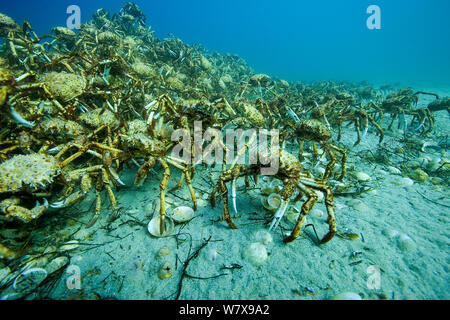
(162, 197)
(187, 175)
(19, 119)
(306, 207)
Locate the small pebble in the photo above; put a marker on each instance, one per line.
(316, 213)
(362, 177)
(202, 203)
(393, 170)
(205, 196)
(405, 243)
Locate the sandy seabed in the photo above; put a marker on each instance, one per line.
(121, 260)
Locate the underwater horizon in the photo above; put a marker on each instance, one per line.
(293, 40)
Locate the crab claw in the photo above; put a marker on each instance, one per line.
(70, 200)
(279, 214)
(54, 150)
(116, 177)
(82, 108)
(233, 194)
(58, 204)
(19, 119)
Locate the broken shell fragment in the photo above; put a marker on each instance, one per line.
(163, 252)
(153, 227)
(182, 214)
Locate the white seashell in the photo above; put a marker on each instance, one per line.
(153, 227)
(264, 237)
(362, 177)
(405, 243)
(272, 202)
(29, 279)
(347, 296)
(393, 170)
(406, 182)
(255, 253)
(316, 213)
(182, 214)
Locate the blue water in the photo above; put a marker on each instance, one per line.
(293, 40)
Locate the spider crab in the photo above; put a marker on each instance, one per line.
(290, 173)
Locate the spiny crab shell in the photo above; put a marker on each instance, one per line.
(108, 37)
(137, 137)
(254, 115)
(260, 79)
(95, 119)
(60, 126)
(64, 86)
(31, 172)
(64, 32)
